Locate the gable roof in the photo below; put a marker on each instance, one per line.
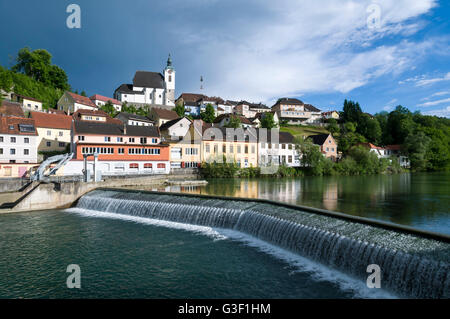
(319, 139)
(124, 116)
(13, 125)
(9, 108)
(165, 114)
(99, 128)
(283, 137)
(243, 119)
(148, 79)
(26, 97)
(127, 89)
(104, 99)
(81, 99)
(77, 115)
(311, 108)
(49, 120)
(172, 122)
(287, 100)
(191, 97)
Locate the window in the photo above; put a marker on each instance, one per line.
(143, 140)
(26, 140)
(207, 148)
(121, 151)
(120, 139)
(253, 149)
(1, 139)
(216, 149)
(239, 149)
(81, 138)
(11, 127)
(328, 149)
(134, 165)
(161, 165)
(49, 133)
(26, 151)
(148, 165)
(12, 151)
(131, 140)
(246, 149)
(61, 144)
(231, 149)
(13, 139)
(283, 146)
(49, 144)
(332, 149)
(1, 151)
(154, 140)
(107, 139)
(224, 148)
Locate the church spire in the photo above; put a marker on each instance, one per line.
(169, 62)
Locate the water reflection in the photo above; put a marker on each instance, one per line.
(419, 200)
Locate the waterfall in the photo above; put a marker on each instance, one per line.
(411, 266)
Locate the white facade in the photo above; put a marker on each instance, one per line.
(179, 129)
(31, 105)
(17, 148)
(278, 154)
(100, 103)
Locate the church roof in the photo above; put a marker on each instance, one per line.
(148, 79)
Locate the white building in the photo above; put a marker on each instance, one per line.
(134, 119)
(71, 102)
(101, 100)
(17, 140)
(149, 88)
(275, 151)
(28, 103)
(175, 129)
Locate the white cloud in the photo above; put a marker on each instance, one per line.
(433, 103)
(292, 47)
(390, 105)
(445, 112)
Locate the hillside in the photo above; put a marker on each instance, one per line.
(298, 130)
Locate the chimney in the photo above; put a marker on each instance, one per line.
(124, 129)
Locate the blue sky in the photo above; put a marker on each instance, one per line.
(319, 51)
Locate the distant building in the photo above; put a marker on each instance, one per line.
(101, 100)
(277, 152)
(53, 131)
(330, 115)
(327, 144)
(149, 88)
(28, 103)
(161, 116)
(256, 121)
(175, 130)
(71, 102)
(134, 119)
(224, 119)
(396, 151)
(18, 140)
(94, 116)
(295, 111)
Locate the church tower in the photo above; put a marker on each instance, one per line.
(169, 79)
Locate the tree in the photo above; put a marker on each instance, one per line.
(109, 108)
(209, 115)
(179, 109)
(399, 125)
(369, 128)
(332, 127)
(351, 111)
(234, 122)
(267, 121)
(83, 93)
(37, 65)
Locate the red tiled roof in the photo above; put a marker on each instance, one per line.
(81, 99)
(49, 120)
(191, 97)
(11, 109)
(396, 147)
(104, 99)
(6, 123)
(165, 114)
(370, 145)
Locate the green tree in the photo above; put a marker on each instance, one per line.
(416, 146)
(351, 111)
(333, 126)
(83, 93)
(399, 125)
(369, 128)
(179, 109)
(234, 122)
(37, 65)
(209, 114)
(267, 121)
(109, 108)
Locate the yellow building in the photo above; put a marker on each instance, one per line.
(235, 145)
(53, 131)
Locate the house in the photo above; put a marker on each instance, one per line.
(53, 131)
(327, 145)
(259, 107)
(101, 100)
(95, 116)
(224, 119)
(71, 103)
(330, 115)
(134, 119)
(277, 148)
(121, 149)
(161, 116)
(238, 146)
(396, 151)
(381, 152)
(243, 108)
(8, 108)
(149, 88)
(294, 111)
(176, 129)
(28, 103)
(18, 140)
(256, 121)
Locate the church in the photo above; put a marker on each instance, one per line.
(149, 88)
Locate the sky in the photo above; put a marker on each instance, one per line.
(381, 53)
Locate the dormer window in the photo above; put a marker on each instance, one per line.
(11, 127)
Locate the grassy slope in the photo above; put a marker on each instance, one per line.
(303, 130)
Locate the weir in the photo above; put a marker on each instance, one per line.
(413, 263)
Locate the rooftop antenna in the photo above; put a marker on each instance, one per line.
(201, 82)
